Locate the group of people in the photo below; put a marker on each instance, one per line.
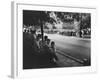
(37, 51)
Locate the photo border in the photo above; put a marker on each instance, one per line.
(17, 69)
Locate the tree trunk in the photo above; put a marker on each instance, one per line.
(42, 32)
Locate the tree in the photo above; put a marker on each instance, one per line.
(31, 17)
(83, 18)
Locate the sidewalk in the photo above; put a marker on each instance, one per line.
(64, 61)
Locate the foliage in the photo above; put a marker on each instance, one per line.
(36, 17)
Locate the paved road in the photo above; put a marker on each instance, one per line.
(75, 47)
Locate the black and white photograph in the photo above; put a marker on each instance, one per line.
(56, 39)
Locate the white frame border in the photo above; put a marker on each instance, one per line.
(16, 70)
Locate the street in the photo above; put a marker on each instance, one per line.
(76, 47)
